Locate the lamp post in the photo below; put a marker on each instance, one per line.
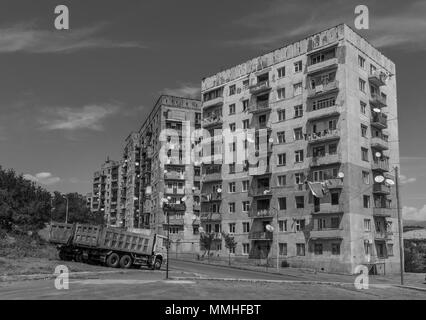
(66, 210)
(400, 229)
(168, 244)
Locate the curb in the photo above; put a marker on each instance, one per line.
(43, 276)
(410, 287)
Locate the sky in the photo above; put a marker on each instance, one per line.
(69, 98)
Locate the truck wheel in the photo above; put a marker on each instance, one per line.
(157, 264)
(62, 256)
(78, 257)
(113, 260)
(126, 262)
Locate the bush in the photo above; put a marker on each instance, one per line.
(284, 264)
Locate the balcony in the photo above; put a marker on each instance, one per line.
(211, 177)
(379, 143)
(210, 216)
(383, 235)
(264, 148)
(175, 221)
(260, 87)
(334, 183)
(260, 192)
(323, 65)
(383, 211)
(324, 160)
(328, 208)
(380, 165)
(324, 88)
(379, 188)
(212, 121)
(377, 78)
(261, 106)
(324, 113)
(260, 235)
(327, 233)
(213, 102)
(379, 120)
(175, 207)
(324, 136)
(261, 213)
(213, 196)
(174, 191)
(173, 175)
(260, 170)
(377, 100)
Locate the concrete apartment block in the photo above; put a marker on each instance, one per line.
(322, 109)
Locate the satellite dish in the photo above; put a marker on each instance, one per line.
(378, 154)
(377, 110)
(269, 228)
(201, 229)
(379, 179)
(165, 171)
(390, 182)
(219, 190)
(169, 198)
(271, 139)
(341, 175)
(183, 199)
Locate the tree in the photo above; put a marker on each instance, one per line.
(206, 240)
(230, 244)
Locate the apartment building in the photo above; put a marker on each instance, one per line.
(106, 192)
(169, 178)
(298, 155)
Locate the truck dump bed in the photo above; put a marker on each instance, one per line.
(61, 233)
(121, 240)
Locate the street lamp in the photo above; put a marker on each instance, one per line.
(66, 210)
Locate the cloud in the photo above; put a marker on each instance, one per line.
(89, 117)
(405, 180)
(412, 213)
(26, 38)
(45, 178)
(186, 90)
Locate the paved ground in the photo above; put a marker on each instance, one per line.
(194, 282)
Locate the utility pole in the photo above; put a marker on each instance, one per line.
(168, 244)
(278, 245)
(400, 229)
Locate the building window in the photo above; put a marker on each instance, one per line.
(366, 201)
(332, 148)
(318, 248)
(281, 137)
(245, 185)
(364, 154)
(366, 177)
(299, 224)
(300, 249)
(334, 198)
(361, 62)
(367, 225)
(232, 108)
(232, 228)
(300, 202)
(246, 206)
(281, 72)
(364, 131)
(246, 248)
(283, 249)
(297, 89)
(232, 127)
(282, 225)
(298, 156)
(246, 227)
(363, 107)
(282, 180)
(246, 124)
(390, 249)
(232, 168)
(231, 207)
(299, 178)
(298, 66)
(245, 105)
(281, 93)
(281, 115)
(231, 187)
(335, 222)
(281, 159)
(298, 134)
(335, 248)
(282, 203)
(361, 85)
(232, 90)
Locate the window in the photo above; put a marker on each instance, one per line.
(297, 89)
(364, 154)
(364, 131)
(366, 177)
(231, 207)
(282, 225)
(231, 187)
(323, 103)
(363, 107)
(318, 248)
(232, 147)
(232, 127)
(298, 134)
(232, 168)
(332, 148)
(367, 248)
(300, 249)
(246, 227)
(281, 115)
(335, 248)
(281, 137)
(367, 225)
(282, 180)
(390, 249)
(232, 250)
(335, 222)
(245, 105)
(281, 93)
(232, 90)
(366, 201)
(232, 228)
(217, 227)
(232, 108)
(283, 249)
(298, 156)
(362, 85)
(299, 178)
(281, 72)
(246, 248)
(262, 120)
(246, 124)
(281, 159)
(300, 202)
(334, 198)
(245, 184)
(300, 224)
(246, 206)
(298, 66)
(282, 203)
(361, 62)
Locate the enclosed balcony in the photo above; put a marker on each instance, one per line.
(321, 113)
(380, 188)
(326, 135)
(379, 143)
(213, 102)
(381, 165)
(378, 100)
(323, 65)
(324, 160)
(377, 78)
(260, 235)
(327, 233)
(379, 120)
(325, 88)
(260, 106)
(260, 87)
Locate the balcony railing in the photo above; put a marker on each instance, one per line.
(324, 160)
(175, 221)
(173, 175)
(210, 216)
(175, 207)
(380, 188)
(174, 191)
(260, 235)
(260, 87)
(212, 176)
(379, 120)
(212, 121)
(324, 112)
(327, 233)
(326, 208)
(380, 165)
(213, 102)
(260, 191)
(323, 136)
(323, 65)
(383, 235)
(377, 78)
(261, 213)
(379, 143)
(334, 183)
(377, 100)
(324, 88)
(213, 196)
(259, 107)
(382, 211)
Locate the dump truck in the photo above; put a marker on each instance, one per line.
(113, 247)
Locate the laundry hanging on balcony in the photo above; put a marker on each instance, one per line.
(318, 189)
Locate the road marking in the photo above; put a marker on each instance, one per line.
(130, 281)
